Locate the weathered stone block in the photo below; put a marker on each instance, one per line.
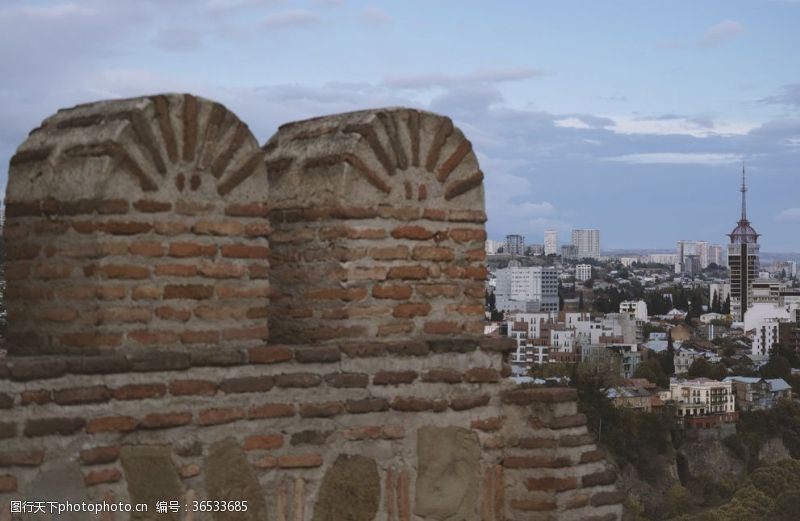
(151, 476)
(448, 463)
(350, 490)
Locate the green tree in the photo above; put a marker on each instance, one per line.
(777, 367)
(726, 308)
(700, 368)
(716, 305)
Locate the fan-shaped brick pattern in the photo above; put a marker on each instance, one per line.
(379, 228)
(137, 223)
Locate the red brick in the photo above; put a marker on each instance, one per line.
(300, 461)
(271, 410)
(222, 270)
(166, 420)
(396, 292)
(345, 294)
(592, 456)
(200, 337)
(112, 424)
(411, 310)
(260, 229)
(124, 271)
(247, 384)
(269, 354)
(175, 270)
(92, 339)
(432, 253)
(100, 455)
(218, 228)
(388, 432)
(321, 410)
(469, 401)
(39, 397)
(606, 477)
(146, 249)
(170, 228)
(411, 404)
(148, 206)
(478, 254)
(608, 498)
(24, 458)
(174, 314)
(366, 405)
(191, 249)
(8, 483)
(268, 442)
(23, 251)
(536, 462)
(537, 443)
(125, 228)
(438, 290)
(347, 380)
(394, 377)
(96, 477)
(408, 272)
(237, 292)
(417, 233)
(192, 388)
(468, 234)
(487, 424)
(153, 337)
(395, 328)
(247, 333)
(57, 314)
(110, 292)
(441, 328)
(53, 271)
(81, 395)
(123, 315)
(146, 292)
(482, 375)
(258, 271)
(188, 291)
(243, 251)
(389, 253)
(139, 391)
(220, 415)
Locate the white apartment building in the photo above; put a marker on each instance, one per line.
(702, 397)
(692, 256)
(716, 254)
(515, 245)
(583, 272)
(493, 246)
(663, 258)
(551, 242)
(764, 319)
(587, 243)
(532, 289)
(638, 308)
(628, 261)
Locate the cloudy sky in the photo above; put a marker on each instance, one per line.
(628, 116)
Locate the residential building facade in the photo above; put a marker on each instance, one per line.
(587, 243)
(551, 242)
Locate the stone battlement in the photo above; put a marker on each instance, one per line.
(298, 326)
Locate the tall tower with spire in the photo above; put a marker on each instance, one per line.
(742, 260)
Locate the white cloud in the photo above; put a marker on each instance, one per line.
(427, 81)
(293, 18)
(789, 214)
(677, 158)
(371, 15)
(696, 126)
(718, 34)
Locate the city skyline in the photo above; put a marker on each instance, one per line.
(633, 125)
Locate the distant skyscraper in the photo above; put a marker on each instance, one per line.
(692, 256)
(515, 245)
(551, 242)
(587, 243)
(529, 290)
(715, 255)
(742, 260)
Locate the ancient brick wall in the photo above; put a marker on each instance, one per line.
(381, 399)
(137, 224)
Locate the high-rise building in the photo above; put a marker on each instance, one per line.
(551, 242)
(583, 272)
(715, 255)
(529, 290)
(692, 256)
(587, 243)
(515, 245)
(742, 260)
(492, 246)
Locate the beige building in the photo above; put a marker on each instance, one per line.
(702, 397)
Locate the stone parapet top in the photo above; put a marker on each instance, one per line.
(27, 368)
